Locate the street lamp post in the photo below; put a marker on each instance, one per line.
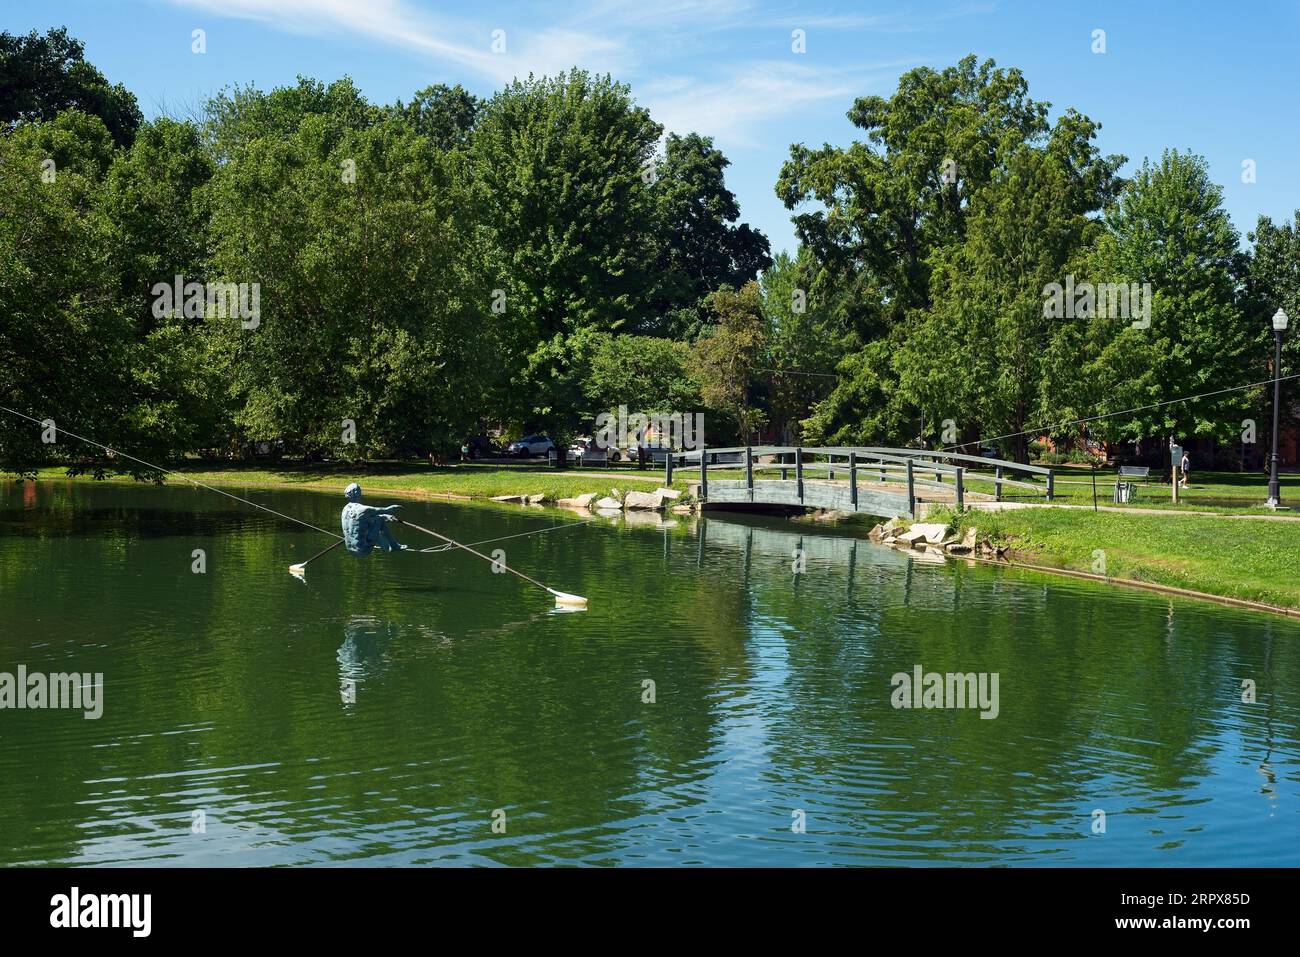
(1279, 326)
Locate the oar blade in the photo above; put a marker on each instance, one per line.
(567, 600)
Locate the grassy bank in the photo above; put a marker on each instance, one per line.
(420, 480)
(1207, 491)
(1255, 561)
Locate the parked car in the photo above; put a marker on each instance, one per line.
(529, 446)
(585, 451)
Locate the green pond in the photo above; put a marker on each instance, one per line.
(419, 709)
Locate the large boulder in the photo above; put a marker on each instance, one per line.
(931, 532)
(668, 493)
(520, 499)
(650, 500)
(609, 503)
(582, 501)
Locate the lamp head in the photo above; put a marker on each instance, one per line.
(1280, 319)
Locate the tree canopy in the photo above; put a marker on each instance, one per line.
(427, 269)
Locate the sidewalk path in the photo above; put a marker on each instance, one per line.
(1129, 510)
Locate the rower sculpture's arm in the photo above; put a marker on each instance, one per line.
(386, 540)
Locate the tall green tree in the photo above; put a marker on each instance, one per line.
(65, 338)
(1169, 229)
(644, 373)
(879, 208)
(569, 225)
(445, 114)
(875, 213)
(237, 116)
(728, 357)
(153, 209)
(804, 343)
(1273, 282)
(371, 308)
(980, 356)
(701, 247)
(42, 75)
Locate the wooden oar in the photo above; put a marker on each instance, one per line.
(300, 568)
(561, 598)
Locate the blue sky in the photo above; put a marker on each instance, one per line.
(1217, 78)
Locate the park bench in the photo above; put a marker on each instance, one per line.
(1134, 471)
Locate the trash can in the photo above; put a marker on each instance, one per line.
(1125, 492)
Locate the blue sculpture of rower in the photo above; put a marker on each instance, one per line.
(365, 526)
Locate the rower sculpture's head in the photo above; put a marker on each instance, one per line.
(352, 493)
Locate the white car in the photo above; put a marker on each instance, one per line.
(585, 451)
(529, 446)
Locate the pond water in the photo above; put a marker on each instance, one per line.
(415, 709)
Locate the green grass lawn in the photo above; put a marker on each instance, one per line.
(468, 480)
(1257, 561)
(1208, 491)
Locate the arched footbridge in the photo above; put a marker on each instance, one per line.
(874, 481)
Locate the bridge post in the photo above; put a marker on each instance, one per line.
(911, 490)
(1051, 484)
(798, 470)
(882, 470)
(997, 485)
(704, 473)
(961, 491)
(749, 470)
(853, 479)
(668, 468)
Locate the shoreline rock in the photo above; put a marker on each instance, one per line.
(643, 500)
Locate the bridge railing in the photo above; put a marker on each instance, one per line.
(999, 468)
(885, 463)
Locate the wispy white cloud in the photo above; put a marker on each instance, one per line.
(555, 50)
(740, 106)
(667, 14)
(468, 46)
(899, 21)
(689, 61)
(386, 21)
